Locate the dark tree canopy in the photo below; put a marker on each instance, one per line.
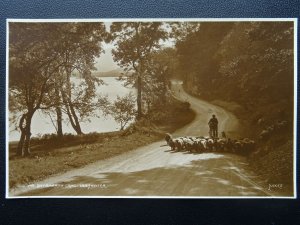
(41, 59)
(250, 63)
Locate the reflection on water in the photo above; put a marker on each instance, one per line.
(41, 123)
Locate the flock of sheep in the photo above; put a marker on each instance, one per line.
(206, 144)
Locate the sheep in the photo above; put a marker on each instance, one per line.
(172, 144)
(179, 143)
(210, 144)
(188, 144)
(215, 146)
(204, 144)
(201, 144)
(197, 146)
(220, 144)
(241, 146)
(237, 146)
(176, 143)
(228, 145)
(170, 141)
(168, 137)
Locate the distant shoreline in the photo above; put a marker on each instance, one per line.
(113, 87)
(111, 73)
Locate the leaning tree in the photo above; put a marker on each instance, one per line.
(42, 57)
(31, 66)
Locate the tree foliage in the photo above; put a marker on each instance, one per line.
(160, 68)
(122, 110)
(32, 63)
(79, 45)
(250, 63)
(134, 44)
(261, 59)
(196, 53)
(41, 59)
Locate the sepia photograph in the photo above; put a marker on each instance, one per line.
(151, 108)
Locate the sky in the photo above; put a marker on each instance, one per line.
(105, 62)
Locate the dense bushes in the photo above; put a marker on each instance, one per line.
(275, 163)
(250, 63)
(167, 118)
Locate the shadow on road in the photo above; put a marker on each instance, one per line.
(191, 179)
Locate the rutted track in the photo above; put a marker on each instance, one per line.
(153, 170)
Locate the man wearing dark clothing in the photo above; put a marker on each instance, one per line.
(213, 127)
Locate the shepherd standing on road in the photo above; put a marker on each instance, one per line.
(213, 127)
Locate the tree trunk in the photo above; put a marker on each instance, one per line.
(66, 96)
(139, 71)
(73, 119)
(21, 144)
(26, 150)
(122, 126)
(58, 113)
(71, 112)
(139, 97)
(76, 124)
(22, 138)
(59, 122)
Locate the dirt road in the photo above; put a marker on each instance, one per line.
(153, 170)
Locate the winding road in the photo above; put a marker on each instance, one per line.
(155, 171)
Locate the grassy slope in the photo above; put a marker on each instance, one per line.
(54, 156)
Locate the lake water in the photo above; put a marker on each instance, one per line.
(41, 123)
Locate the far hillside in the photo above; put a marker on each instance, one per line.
(111, 73)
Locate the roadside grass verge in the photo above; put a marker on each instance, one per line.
(273, 161)
(51, 155)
